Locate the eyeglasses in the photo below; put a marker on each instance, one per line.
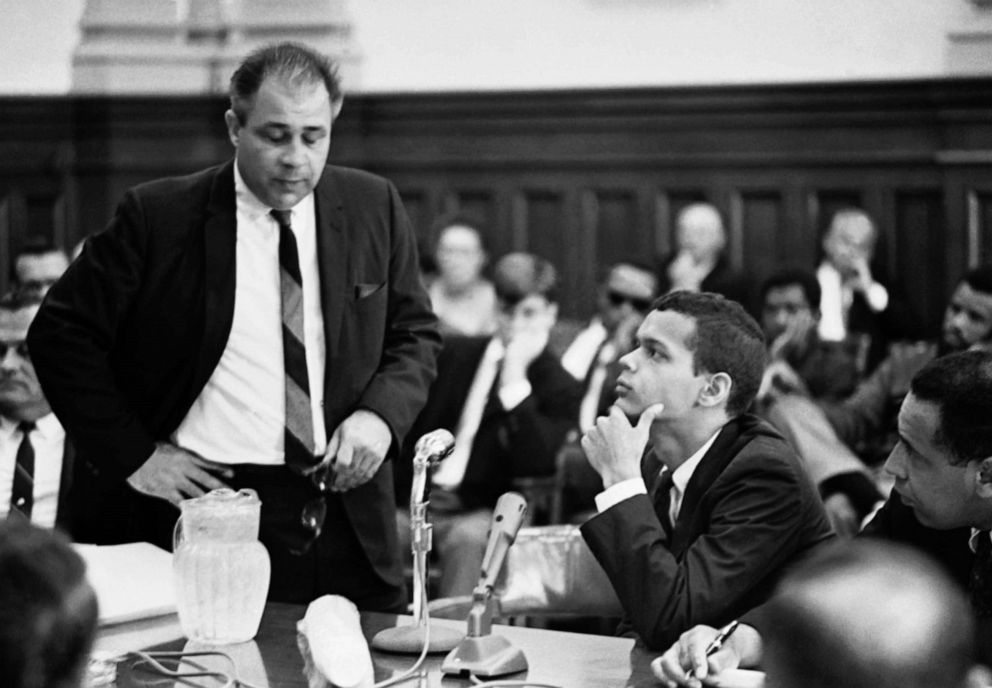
(20, 347)
(617, 299)
(315, 511)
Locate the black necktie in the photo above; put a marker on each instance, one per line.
(298, 434)
(980, 585)
(661, 496)
(22, 492)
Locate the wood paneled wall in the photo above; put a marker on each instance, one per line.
(583, 178)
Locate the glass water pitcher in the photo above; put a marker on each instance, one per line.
(221, 570)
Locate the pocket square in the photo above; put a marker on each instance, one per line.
(364, 290)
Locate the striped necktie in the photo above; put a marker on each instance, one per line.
(299, 446)
(22, 492)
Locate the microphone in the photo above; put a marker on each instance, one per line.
(508, 516)
(481, 653)
(430, 450)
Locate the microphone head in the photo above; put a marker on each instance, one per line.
(434, 447)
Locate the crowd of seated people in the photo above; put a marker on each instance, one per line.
(719, 449)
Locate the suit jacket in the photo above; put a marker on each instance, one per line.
(509, 443)
(749, 510)
(127, 339)
(896, 521)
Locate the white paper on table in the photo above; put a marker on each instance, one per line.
(132, 581)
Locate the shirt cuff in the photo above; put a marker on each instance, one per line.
(615, 494)
(513, 394)
(877, 297)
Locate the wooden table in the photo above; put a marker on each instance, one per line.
(569, 660)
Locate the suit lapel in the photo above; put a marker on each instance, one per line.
(332, 261)
(727, 445)
(219, 245)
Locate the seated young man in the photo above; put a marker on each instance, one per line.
(941, 504)
(509, 404)
(730, 505)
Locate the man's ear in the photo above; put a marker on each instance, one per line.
(983, 484)
(717, 390)
(233, 126)
(336, 106)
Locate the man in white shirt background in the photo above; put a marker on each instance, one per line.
(854, 304)
(509, 404)
(35, 460)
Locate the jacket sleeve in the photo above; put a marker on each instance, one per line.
(756, 525)
(73, 336)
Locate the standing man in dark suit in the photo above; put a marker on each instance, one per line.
(730, 505)
(257, 325)
(508, 402)
(35, 458)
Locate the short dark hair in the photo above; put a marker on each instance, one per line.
(519, 275)
(48, 611)
(816, 624)
(804, 279)
(727, 340)
(293, 62)
(979, 279)
(960, 385)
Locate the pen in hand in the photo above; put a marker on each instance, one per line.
(721, 637)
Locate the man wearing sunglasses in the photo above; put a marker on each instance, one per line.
(35, 459)
(591, 357)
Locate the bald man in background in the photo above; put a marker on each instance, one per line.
(699, 262)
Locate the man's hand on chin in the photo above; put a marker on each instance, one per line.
(614, 446)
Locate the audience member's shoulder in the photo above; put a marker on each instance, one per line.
(767, 451)
(166, 186)
(563, 334)
(351, 178)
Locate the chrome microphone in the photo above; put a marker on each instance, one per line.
(430, 450)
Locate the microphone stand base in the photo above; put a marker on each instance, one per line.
(409, 640)
(487, 655)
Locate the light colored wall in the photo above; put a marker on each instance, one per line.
(411, 45)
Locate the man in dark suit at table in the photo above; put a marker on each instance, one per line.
(35, 458)
(508, 402)
(730, 505)
(260, 324)
(941, 503)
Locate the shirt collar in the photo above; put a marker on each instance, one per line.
(682, 474)
(973, 540)
(47, 426)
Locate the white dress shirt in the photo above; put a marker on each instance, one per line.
(449, 473)
(240, 414)
(590, 351)
(836, 299)
(48, 441)
(626, 489)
